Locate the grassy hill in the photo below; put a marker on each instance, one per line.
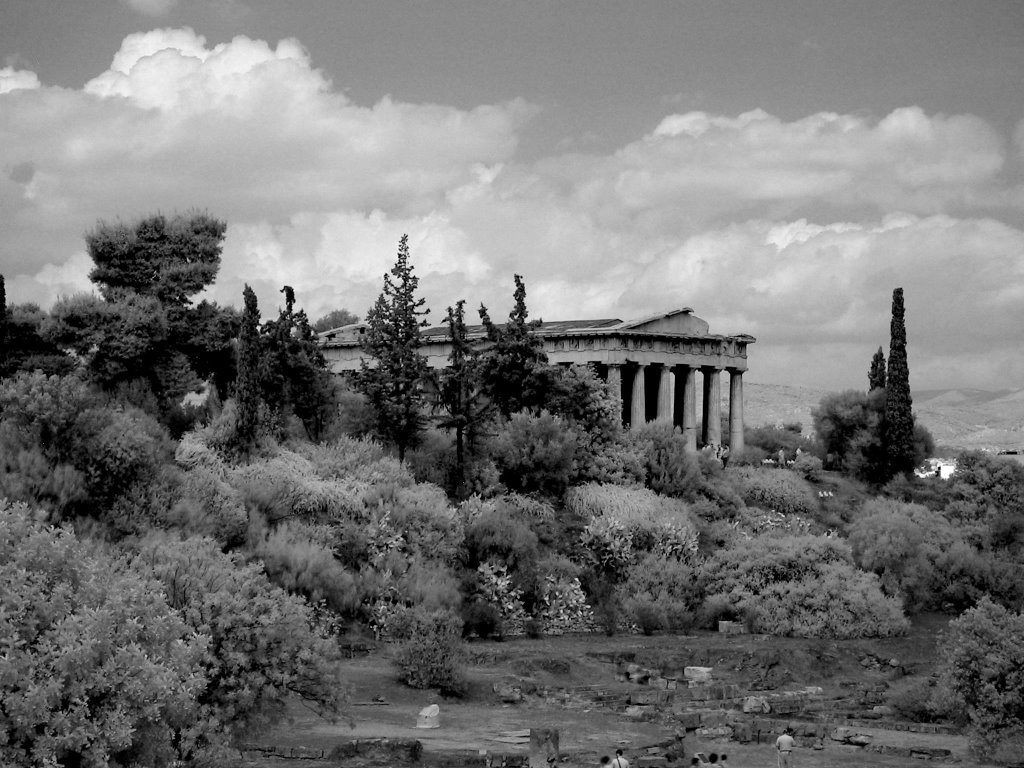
(957, 418)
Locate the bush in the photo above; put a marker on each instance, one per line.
(780, 490)
(535, 454)
(672, 469)
(431, 652)
(481, 619)
(265, 646)
(983, 656)
(671, 585)
(649, 615)
(805, 586)
(97, 668)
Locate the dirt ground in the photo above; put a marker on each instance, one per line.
(381, 707)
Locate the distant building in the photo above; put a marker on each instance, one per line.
(650, 363)
(943, 468)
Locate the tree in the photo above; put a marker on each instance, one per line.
(264, 646)
(876, 376)
(297, 378)
(3, 325)
(515, 367)
(97, 669)
(171, 260)
(392, 339)
(461, 392)
(247, 385)
(142, 330)
(335, 319)
(898, 429)
(984, 669)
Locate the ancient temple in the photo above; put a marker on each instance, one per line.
(652, 363)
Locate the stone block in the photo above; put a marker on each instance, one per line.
(698, 674)
(756, 704)
(712, 719)
(859, 740)
(651, 761)
(842, 733)
(688, 720)
(742, 732)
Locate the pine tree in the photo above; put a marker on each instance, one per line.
(876, 376)
(297, 379)
(516, 372)
(898, 429)
(461, 392)
(392, 383)
(248, 383)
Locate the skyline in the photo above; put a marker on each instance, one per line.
(780, 170)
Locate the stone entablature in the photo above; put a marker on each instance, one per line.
(651, 363)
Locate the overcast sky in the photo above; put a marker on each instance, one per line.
(779, 166)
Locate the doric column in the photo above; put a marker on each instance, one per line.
(712, 410)
(614, 380)
(638, 406)
(665, 394)
(735, 411)
(686, 404)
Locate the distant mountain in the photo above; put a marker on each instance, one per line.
(957, 418)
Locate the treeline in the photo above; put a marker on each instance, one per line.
(249, 532)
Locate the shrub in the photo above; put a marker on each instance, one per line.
(672, 469)
(805, 586)
(780, 490)
(983, 656)
(96, 667)
(481, 619)
(648, 614)
(671, 585)
(564, 607)
(265, 646)
(535, 454)
(431, 652)
(209, 507)
(297, 557)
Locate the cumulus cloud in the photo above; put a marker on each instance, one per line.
(794, 231)
(12, 79)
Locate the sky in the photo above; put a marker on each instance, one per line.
(779, 167)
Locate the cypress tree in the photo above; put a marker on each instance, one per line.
(876, 376)
(248, 382)
(392, 338)
(3, 325)
(898, 429)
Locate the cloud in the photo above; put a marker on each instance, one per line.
(12, 79)
(794, 231)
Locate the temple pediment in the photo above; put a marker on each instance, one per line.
(679, 321)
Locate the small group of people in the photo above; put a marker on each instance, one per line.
(784, 746)
(620, 761)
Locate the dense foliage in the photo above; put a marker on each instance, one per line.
(209, 561)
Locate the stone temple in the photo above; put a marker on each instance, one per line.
(652, 363)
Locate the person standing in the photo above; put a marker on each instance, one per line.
(619, 761)
(784, 744)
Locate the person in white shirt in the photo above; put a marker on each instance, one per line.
(619, 761)
(784, 744)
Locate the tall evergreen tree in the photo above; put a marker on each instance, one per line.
(297, 379)
(3, 325)
(461, 392)
(392, 383)
(876, 376)
(898, 429)
(247, 385)
(516, 372)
